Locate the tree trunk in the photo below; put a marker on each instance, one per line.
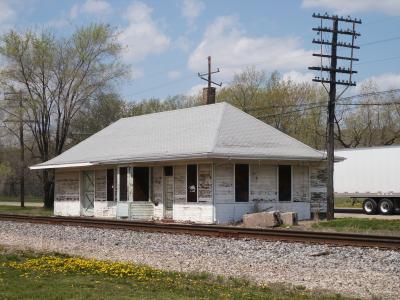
(48, 188)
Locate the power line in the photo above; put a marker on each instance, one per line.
(160, 86)
(324, 106)
(377, 60)
(285, 106)
(371, 104)
(179, 80)
(264, 107)
(381, 20)
(381, 41)
(370, 94)
(19, 99)
(290, 111)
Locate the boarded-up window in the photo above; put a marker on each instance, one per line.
(141, 184)
(285, 183)
(123, 184)
(241, 183)
(191, 183)
(110, 185)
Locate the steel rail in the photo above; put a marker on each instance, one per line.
(329, 238)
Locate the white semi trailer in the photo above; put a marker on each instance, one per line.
(370, 173)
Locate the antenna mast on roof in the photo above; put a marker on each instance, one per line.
(209, 91)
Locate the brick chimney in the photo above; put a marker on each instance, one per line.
(209, 95)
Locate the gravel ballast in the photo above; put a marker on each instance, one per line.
(351, 271)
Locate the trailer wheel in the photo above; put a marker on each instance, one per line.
(386, 206)
(370, 206)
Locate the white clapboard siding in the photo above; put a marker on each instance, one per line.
(100, 185)
(67, 208)
(301, 184)
(179, 184)
(224, 187)
(318, 179)
(263, 183)
(105, 209)
(66, 193)
(67, 186)
(193, 212)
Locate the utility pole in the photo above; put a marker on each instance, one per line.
(209, 91)
(332, 80)
(20, 122)
(22, 152)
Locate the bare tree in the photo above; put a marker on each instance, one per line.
(372, 120)
(57, 77)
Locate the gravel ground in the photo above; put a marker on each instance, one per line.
(351, 271)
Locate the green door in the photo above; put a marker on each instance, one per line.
(87, 199)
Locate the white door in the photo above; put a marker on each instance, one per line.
(87, 199)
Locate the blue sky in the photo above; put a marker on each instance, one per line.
(166, 42)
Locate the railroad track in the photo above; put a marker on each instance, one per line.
(331, 238)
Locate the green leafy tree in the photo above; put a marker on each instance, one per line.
(294, 108)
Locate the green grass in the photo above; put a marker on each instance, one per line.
(360, 225)
(16, 199)
(38, 211)
(21, 279)
(348, 203)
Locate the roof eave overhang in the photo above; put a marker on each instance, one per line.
(177, 157)
(59, 166)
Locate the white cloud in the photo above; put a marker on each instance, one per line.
(57, 23)
(390, 7)
(97, 7)
(191, 9)
(142, 36)
(137, 73)
(73, 13)
(382, 82)
(182, 43)
(298, 77)
(6, 12)
(232, 50)
(195, 90)
(173, 74)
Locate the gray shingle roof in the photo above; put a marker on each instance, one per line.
(209, 131)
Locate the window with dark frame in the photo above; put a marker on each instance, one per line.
(285, 183)
(191, 183)
(110, 184)
(141, 184)
(241, 183)
(168, 171)
(123, 184)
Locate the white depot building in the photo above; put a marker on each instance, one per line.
(206, 164)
